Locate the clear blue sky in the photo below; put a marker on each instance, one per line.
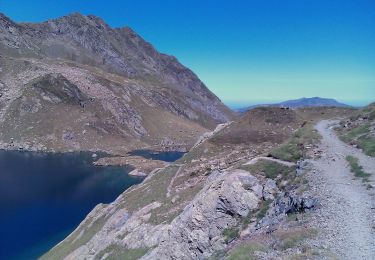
(247, 51)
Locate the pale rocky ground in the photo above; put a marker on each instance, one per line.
(347, 212)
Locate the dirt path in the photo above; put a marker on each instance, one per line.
(169, 189)
(347, 212)
(256, 159)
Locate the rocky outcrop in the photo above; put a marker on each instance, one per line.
(198, 231)
(286, 204)
(227, 198)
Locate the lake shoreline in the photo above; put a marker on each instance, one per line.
(55, 192)
(33, 169)
(142, 165)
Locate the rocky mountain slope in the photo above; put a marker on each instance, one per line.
(75, 83)
(235, 187)
(302, 102)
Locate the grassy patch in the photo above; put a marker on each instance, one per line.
(67, 246)
(231, 234)
(367, 144)
(259, 214)
(355, 132)
(292, 238)
(283, 175)
(289, 151)
(271, 169)
(154, 189)
(293, 149)
(263, 209)
(371, 116)
(117, 252)
(308, 254)
(357, 169)
(360, 136)
(246, 251)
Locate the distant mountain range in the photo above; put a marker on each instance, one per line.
(299, 103)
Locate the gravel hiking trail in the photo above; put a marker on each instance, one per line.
(347, 211)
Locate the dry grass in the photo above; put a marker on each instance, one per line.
(292, 238)
(273, 125)
(115, 252)
(246, 251)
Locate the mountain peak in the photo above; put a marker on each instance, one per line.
(79, 19)
(131, 88)
(5, 20)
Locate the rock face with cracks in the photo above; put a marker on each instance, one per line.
(198, 231)
(226, 198)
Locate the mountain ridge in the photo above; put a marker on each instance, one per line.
(300, 103)
(136, 96)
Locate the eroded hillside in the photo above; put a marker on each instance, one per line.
(221, 194)
(75, 83)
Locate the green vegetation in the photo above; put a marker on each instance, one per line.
(281, 240)
(371, 115)
(271, 169)
(117, 252)
(360, 136)
(293, 149)
(154, 189)
(367, 144)
(288, 152)
(246, 251)
(357, 169)
(231, 234)
(308, 254)
(259, 214)
(290, 239)
(263, 209)
(73, 242)
(282, 174)
(355, 133)
(359, 131)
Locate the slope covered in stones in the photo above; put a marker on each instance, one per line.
(210, 201)
(359, 130)
(75, 83)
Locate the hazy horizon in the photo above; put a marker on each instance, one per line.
(248, 50)
(244, 104)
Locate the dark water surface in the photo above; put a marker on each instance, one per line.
(167, 156)
(43, 197)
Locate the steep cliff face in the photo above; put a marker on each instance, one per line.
(76, 83)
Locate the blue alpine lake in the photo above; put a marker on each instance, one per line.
(44, 197)
(167, 156)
